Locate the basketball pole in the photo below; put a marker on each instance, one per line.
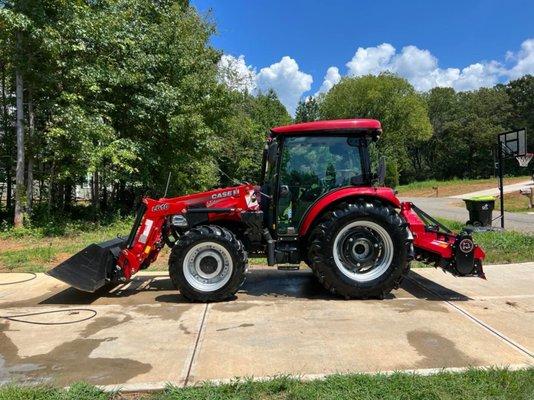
(501, 183)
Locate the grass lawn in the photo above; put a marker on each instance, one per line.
(27, 251)
(453, 187)
(514, 202)
(500, 247)
(23, 253)
(31, 251)
(473, 384)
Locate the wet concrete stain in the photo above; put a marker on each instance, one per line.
(184, 329)
(437, 351)
(140, 290)
(163, 312)
(518, 306)
(232, 307)
(32, 301)
(407, 306)
(275, 284)
(71, 360)
(245, 325)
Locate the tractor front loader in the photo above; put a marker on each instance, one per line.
(318, 203)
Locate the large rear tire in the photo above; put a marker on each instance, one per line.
(360, 250)
(208, 263)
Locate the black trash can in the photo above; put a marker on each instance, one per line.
(480, 210)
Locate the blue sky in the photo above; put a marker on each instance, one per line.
(463, 44)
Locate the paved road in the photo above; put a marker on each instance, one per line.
(495, 191)
(143, 334)
(454, 209)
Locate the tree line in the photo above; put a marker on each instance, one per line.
(114, 95)
(440, 134)
(117, 94)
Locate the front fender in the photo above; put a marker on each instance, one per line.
(382, 193)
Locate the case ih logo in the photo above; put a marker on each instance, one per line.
(226, 193)
(160, 207)
(466, 245)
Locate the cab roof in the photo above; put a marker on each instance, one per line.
(330, 126)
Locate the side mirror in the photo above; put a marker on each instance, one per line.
(272, 152)
(284, 191)
(381, 171)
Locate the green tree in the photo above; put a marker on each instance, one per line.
(393, 101)
(465, 126)
(245, 131)
(123, 91)
(521, 96)
(307, 110)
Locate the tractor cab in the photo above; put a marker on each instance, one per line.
(304, 162)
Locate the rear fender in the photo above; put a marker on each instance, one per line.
(337, 196)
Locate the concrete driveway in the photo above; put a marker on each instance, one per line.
(143, 334)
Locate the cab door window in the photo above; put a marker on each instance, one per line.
(311, 167)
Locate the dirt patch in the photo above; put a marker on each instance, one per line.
(70, 361)
(437, 351)
(12, 245)
(454, 188)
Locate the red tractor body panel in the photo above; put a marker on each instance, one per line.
(383, 193)
(332, 125)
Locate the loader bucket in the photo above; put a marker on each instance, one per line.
(90, 269)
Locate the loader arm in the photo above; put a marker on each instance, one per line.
(118, 259)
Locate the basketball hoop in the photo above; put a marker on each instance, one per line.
(524, 160)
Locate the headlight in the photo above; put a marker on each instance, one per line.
(179, 221)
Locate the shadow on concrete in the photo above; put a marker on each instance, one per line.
(262, 283)
(434, 291)
(140, 290)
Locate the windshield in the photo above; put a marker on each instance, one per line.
(311, 167)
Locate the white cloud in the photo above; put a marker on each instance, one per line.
(330, 79)
(371, 60)
(285, 78)
(420, 68)
(524, 60)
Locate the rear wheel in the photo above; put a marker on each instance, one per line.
(360, 249)
(208, 263)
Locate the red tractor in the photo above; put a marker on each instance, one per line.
(318, 203)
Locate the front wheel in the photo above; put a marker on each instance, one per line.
(360, 250)
(208, 263)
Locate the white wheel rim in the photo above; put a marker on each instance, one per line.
(370, 243)
(208, 266)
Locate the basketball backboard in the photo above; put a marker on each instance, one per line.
(513, 143)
